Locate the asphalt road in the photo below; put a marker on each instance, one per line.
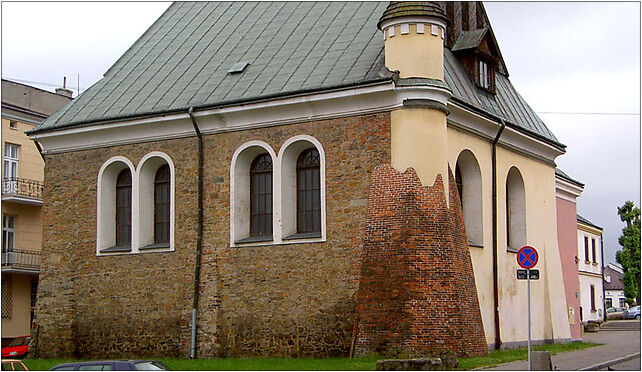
(616, 344)
(631, 365)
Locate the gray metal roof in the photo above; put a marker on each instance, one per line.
(560, 174)
(587, 222)
(183, 60)
(469, 39)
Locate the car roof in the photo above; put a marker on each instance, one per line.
(88, 362)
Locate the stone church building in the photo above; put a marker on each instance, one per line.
(299, 178)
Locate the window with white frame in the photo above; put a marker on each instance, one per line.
(8, 233)
(135, 206)
(155, 202)
(253, 177)
(277, 199)
(10, 176)
(302, 212)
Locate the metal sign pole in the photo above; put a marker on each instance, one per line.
(528, 274)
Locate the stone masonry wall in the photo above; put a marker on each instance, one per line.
(291, 299)
(295, 299)
(417, 293)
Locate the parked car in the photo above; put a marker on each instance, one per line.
(18, 348)
(113, 365)
(632, 313)
(13, 365)
(615, 313)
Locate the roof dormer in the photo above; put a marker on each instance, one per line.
(479, 55)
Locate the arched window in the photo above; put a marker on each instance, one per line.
(308, 192)
(124, 208)
(459, 184)
(261, 196)
(161, 205)
(469, 186)
(515, 210)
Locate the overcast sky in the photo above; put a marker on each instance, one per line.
(577, 64)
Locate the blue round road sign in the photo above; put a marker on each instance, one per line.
(527, 257)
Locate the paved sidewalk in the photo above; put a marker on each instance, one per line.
(617, 344)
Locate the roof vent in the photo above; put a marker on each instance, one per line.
(238, 67)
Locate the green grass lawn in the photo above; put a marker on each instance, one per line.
(324, 364)
(238, 364)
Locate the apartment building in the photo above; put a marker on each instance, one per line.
(22, 187)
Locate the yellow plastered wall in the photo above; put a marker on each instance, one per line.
(415, 55)
(418, 140)
(19, 324)
(548, 303)
(30, 163)
(28, 225)
(482, 258)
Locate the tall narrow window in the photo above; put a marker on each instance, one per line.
(261, 196)
(124, 208)
(594, 250)
(161, 205)
(484, 76)
(308, 192)
(587, 258)
(10, 176)
(592, 297)
(8, 226)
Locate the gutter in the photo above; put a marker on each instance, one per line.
(498, 339)
(39, 150)
(218, 105)
(199, 236)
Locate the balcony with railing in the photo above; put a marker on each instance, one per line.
(20, 261)
(21, 190)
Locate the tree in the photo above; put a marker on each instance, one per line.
(629, 255)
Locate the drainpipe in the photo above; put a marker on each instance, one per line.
(603, 290)
(199, 236)
(498, 339)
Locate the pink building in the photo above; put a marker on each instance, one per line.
(566, 191)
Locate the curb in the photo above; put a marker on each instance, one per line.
(598, 366)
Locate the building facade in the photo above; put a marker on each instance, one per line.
(284, 178)
(589, 252)
(614, 287)
(23, 107)
(567, 191)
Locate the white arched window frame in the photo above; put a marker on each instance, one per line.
(106, 205)
(471, 197)
(288, 156)
(515, 210)
(144, 208)
(240, 193)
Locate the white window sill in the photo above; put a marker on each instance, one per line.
(284, 241)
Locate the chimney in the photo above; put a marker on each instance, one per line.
(64, 91)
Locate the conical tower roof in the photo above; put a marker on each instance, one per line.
(398, 9)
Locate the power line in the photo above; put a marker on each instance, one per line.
(588, 113)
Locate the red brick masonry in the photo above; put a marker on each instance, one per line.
(417, 291)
